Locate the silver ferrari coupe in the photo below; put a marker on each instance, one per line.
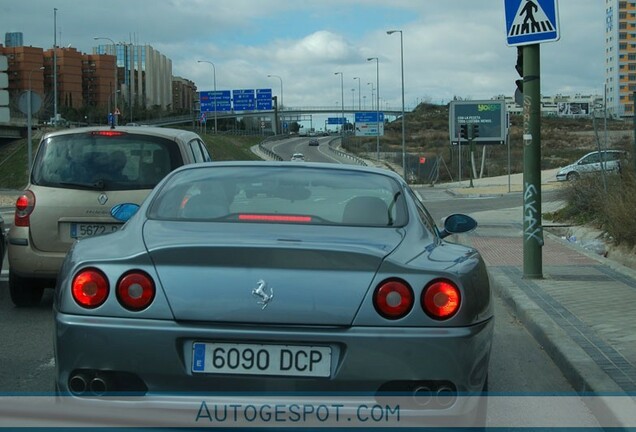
(257, 277)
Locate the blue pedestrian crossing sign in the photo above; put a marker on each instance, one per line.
(531, 21)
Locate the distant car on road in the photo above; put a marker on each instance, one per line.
(273, 277)
(592, 163)
(314, 142)
(79, 178)
(298, 157)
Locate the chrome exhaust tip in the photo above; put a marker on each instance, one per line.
(78, 384)
(98, 386)
(422, 396)
(445, 396)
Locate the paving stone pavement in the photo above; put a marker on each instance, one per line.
(582, 309)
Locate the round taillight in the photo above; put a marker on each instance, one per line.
(441, 299)
(393, 299)
(90, 288)
(24, 206)
(135, 290)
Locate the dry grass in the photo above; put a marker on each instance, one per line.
(608, 206)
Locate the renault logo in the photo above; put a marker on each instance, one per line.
(260, 292)
(102, 198)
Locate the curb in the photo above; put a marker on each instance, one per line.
(580, 369)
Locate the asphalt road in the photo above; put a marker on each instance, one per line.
(518, 365)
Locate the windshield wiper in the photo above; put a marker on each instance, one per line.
(98, 185)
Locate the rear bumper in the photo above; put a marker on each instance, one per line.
(158, 356)
(26, 261)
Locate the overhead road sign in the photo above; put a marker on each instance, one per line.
(263, 99)
(335, 120)
(223, 100)
(244, 100)
(531, 21)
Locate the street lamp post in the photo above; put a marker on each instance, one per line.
(403, 125)
(341, 101)
(281, 96)
(359, 94)
(215, 95)
(115, 83)
(29, 122)
(372, 95)
(377, 105)
(55, 64)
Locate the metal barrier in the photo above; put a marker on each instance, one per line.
(340, 153)
(267, 151)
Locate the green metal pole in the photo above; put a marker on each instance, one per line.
(532, 224)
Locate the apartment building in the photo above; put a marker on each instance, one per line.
(82, 80)
(620, 57)
(183, 94)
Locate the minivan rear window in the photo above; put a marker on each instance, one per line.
(120, 161)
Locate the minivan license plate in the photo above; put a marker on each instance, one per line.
(259, 359)
(82, 230)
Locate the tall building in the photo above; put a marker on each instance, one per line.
(69, 76)
(183, 94)
(14, 39)
(83, 80)
(144, 75)
(620, 57)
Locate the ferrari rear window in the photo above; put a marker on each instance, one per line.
(102, 161)
(281, 195)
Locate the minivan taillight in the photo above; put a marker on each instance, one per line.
(24, 206)
(108, 133)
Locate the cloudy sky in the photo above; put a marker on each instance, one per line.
(451, 47)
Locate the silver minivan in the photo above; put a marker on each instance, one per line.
(591, 163)
(78, 179)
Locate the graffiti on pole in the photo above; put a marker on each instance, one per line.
(531, 215)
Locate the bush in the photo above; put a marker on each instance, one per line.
(609, 208)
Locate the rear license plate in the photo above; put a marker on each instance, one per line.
(83, 230)
(258, 359)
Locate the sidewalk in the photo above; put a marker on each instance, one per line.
(582, 311)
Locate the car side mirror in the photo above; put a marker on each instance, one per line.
(457, 224)
(123, 212)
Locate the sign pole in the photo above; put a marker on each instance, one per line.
(532, 223)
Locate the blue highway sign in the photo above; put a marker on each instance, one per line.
(263, 99)
(369, 117)
(531, 21)
(244, 100)
(223, 100)
(335, 120)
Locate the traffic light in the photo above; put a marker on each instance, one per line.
(4, 92)
(519, 68)
(475, 131)
(463, 131)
